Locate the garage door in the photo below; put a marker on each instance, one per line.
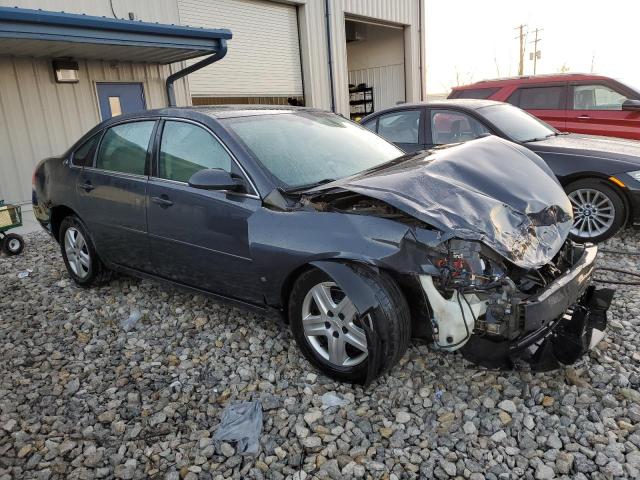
(263, 59)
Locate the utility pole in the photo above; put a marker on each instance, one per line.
(536, 53)
(521, 37)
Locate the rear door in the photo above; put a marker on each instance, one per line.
(596, 109)
(404, 128)
(547, 102)
(112, 194)
(199, 237)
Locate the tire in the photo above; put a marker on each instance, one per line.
(13, 244)
(82, 262)
(598, 206)
(392, 323)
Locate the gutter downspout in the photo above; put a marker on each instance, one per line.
(219, 55)
(328, 25)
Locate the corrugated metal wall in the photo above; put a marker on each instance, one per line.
(41, 118)
(264, 55)
(387, 83)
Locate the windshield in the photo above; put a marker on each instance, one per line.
(516, 123)
(631, 85)
(307, 148)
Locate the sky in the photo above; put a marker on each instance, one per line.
(472, 40)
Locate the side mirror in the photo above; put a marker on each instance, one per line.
(632, 105)
(216, 179)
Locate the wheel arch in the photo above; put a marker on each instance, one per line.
(57, 215)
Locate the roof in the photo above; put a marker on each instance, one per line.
(552, 77)
(469, 103)
(231, 111)
(40, 33)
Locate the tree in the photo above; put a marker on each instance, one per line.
(564, 68)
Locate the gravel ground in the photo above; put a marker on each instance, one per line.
(82, 398)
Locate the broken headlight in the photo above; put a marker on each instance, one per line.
(464, 266)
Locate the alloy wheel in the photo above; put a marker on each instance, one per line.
(77, 252)
(332, 326)
(593, 212)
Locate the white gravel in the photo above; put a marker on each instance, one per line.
(82, 398)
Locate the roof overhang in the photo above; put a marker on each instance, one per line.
(39, 33)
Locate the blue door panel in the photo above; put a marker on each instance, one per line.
(127, 97)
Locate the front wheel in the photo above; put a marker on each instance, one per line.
(598, 210)
(329, 329)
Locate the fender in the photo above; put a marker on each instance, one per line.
(365, 301)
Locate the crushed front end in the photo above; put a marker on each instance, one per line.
(501, 316)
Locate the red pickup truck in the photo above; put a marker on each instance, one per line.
(580, 103)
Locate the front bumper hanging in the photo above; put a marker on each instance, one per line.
(561, 324)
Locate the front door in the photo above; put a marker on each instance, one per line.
(112, 194)
(118, 98)
(199, 237)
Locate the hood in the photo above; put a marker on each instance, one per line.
(488, 189)
(608, 148)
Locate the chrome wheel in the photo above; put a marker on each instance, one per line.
(13, 244)
(332, 326)
(77, 251)
(593, 212)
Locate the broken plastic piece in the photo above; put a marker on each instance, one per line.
(241, 423)
(23, 274)
(130, 322)
(331, 399)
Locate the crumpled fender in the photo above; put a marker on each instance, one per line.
(365, 301)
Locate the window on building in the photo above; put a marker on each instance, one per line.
(448, 126)
(83, 156)
(186, 149)
(538, 98)
(124, 148)
(596, 97)
(400, 127)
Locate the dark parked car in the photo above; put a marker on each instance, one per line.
(600, 175)
(571, 102)
(359, 247)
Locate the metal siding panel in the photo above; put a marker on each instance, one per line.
(387, 82)
(264, 54)
(40, 118)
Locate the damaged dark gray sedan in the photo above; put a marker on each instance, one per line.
(356, 245)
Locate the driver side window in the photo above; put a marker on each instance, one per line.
(186, 149)
(448, 126)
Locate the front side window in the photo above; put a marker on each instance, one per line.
(124, 148)
(306, 148)
(596, 97)
(538, 98)
(83, 156)
(448, 126)
(186, 149)
(400, 127)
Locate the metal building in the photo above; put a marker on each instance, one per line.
(301, 51)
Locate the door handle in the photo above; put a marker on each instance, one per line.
(87, 186)
(163, 201)
(584, 117)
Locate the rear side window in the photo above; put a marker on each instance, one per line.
(124, 148)
(186, 149)
(477, 93)
(400, 127)
(83, 156)
(538, 98)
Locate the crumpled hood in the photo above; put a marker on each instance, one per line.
(488, 189)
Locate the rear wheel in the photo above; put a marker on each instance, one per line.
(79, 254)
(598, 210)
(329, 329)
